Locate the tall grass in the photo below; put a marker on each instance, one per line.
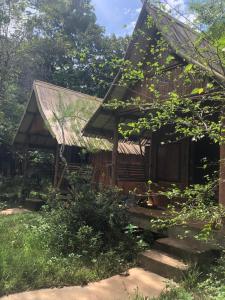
(28, 262)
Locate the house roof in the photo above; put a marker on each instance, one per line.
(57, 115)
(187, 42)
(182, 40)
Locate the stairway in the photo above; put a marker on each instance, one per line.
(172, 258)
(163, 264)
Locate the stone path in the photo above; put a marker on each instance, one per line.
(115, 288)
(13, 211)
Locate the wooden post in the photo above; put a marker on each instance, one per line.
(222, 165)
(25, 161)
(222, 175)
(56, 166)
(115, 153)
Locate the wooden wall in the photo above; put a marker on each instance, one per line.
(170, 162)
(131, 170)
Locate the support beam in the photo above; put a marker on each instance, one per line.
(56, 166)
(115, 153)
(222, 175)
(25, 161)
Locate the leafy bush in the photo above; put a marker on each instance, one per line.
(213, 286)
(198, 204)
(2, 206)
(89, 222)
(11, 190)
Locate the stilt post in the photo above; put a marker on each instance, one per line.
(115, 152)
(222, 175)
(56, 171)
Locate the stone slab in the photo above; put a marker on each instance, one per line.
(118, 287)
(13, 211)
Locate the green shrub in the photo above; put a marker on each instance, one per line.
(214, 284)
(90, 220)
(198, 204)
(86, 242)
(11, 189)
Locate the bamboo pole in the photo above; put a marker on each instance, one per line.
(222, 167)
(56, 166)
(222, 176)
(115, 153)
(25, 161)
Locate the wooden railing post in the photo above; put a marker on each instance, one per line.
(56, 171)
(115, 153)
(222, 175)
(222, 165)
(25, 161)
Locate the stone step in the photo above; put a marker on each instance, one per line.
(189, 250)
(191, 230)
(185, 231)
(141, 217)
(162, 264)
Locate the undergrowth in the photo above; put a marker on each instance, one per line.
(82, 238)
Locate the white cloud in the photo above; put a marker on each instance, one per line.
(132, 12)
(127, 11)
(138, 10)
(130, 27)
(179, 9)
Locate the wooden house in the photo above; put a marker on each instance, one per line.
(55, 116)
(178, 162)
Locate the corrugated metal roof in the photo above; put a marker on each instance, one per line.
(65, 113)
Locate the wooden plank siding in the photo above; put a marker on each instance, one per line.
(170, 162)
(130, 170)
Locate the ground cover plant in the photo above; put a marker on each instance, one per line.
(83, 238)
(27, 262)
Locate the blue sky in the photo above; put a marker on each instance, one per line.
(115, 14)
(120, 16)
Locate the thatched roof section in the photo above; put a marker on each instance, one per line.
(55, 115)
(186, 42)
(182, 40)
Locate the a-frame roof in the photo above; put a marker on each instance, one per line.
(56, 115)
(181, 38)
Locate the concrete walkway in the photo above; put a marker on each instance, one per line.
(13, 211)
(115, 288)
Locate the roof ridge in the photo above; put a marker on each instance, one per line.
(159, 10)
(54, 86)
(215, 69)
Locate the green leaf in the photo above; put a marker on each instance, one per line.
(198, 91)
(210, 85)
(188, 68)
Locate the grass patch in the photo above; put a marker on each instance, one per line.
(28, 261)
(85, 237)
